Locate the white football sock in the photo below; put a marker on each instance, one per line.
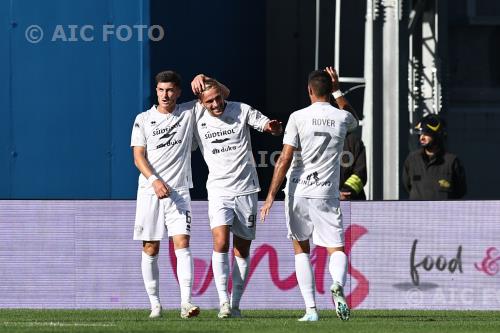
(240, 273)
(311, 310)
(305, 278)
(185, 273)
(151, 277)
(220, 268)
(338, 267)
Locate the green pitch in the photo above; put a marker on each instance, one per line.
(257, 321)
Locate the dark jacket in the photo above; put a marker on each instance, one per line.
(353, 167)
(441, 177)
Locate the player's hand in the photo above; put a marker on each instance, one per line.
(275, 127)
(161, 189)
(345, 195)
(198, 84)
(335, 78)
(264, 211)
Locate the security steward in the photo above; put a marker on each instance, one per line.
(431, 173)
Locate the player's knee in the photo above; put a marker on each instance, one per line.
(181, 242)
(241, 247)
(242, 252)
(221, 245)
(151, 251)
(151, 248)
(301, 246)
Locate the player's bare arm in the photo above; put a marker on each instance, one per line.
(161, 189)
(280, 170)
(274, 127)
(198, 85)
(341, 101)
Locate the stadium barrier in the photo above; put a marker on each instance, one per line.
(403, 255)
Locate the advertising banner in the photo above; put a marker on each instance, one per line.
(403, 255)
(426, 255)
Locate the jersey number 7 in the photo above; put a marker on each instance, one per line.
(325, 143)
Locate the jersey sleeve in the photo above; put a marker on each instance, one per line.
(352, 122)
(138, 138)
(255, 118)
(194, 142)
(198, 110)
(291, 136)
(192, 104)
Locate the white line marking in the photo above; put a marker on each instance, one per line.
(51, 323)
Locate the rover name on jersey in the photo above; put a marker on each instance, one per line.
(323, 122)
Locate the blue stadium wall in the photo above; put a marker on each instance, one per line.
(67, 107)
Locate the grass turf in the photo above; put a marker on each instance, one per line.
(255, 321)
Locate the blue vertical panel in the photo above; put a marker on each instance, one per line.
(5, 110)
(61, 92)
(130, 77)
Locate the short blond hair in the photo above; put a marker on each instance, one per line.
(209, 84)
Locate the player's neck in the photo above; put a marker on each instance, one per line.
(322, 99)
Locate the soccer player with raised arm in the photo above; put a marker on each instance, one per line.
(161, 142)
(312, 144)
(222, 131)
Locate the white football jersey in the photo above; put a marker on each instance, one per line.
(168, 139)
(226, 147)
(318, 133)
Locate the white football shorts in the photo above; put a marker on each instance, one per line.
(239, 212)
(318, 219)
(153, 216)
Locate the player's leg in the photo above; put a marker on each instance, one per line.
(305, 278)
(299, 230)
(240, 272)
(220, 267)
(243, 230)
(328, 232)
(221, 215)
(338, 271)
(149, 228)
(151, 275)
(178, 217)
(185, 275)
(337, 265)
